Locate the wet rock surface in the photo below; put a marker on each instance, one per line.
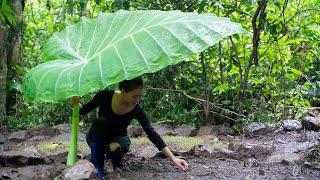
(311, 123)
(19, 136)
(83, 169)
(208, 130)
(163, 129)
(2, 138)
(134, 131)
(200, 150)
(185, 130)
(291, 125)
(42, 171)
(63, 128)
(22, 158)
(42, 130)
(281, 155)
(258, 128)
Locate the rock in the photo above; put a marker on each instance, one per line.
(224, 151)
(314, 112)
(162, 129)
(83, 169)
(307, 164)
(84, 155)
(278, 130)
(251, 162)
(210, 138)
(145, 151)
(39, 172)
(2, 138)
(38, 138)
(208, 130)
(31, 149)
(261, 172)
(271, 127)
(225, 130)
(161, 155)
(22, 158)
(200, 150)
(58, 156)
(312, 165)
(42, 130)
(241, 146)
(291, 125)
(19, 136)
(63, 128)
(292, 160)
(9, 174)
(258, 128)
(115, 175)
(300, 147)
(286, 158)
(311, 123)
(246, 150)
(134, 131)
(185, 130)
(66, 137)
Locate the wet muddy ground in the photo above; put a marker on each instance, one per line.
(281, 155)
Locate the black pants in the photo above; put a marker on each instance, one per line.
(114, 148)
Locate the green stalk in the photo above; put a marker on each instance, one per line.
(72, 155)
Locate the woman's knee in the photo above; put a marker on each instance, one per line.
(120, 144)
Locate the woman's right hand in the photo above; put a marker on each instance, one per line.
(180, 163)
(74, 100)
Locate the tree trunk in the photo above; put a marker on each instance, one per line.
(83, 7)
(3, 70)
(257, 26)
(10, 55)
(14, 54)
(206, 106)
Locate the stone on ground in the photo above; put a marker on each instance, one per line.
(311, 123)
(291, 125)
(83, 169)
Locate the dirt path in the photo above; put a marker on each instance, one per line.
(288, 159)
(282, 155)
(211, 168)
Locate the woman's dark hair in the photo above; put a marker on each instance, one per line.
(129, 85)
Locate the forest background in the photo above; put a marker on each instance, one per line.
(270, 74)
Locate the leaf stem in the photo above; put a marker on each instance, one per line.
(72, 155)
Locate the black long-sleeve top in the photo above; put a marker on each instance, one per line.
(110, 125)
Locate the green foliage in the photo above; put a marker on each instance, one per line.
(6, 12)
(58, 146)
(35, 114)
(285, 81)
(184, 143)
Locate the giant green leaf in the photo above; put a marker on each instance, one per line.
(95, 53)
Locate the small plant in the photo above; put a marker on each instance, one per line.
(53, 146)
(184, 143)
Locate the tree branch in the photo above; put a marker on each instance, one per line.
(277, 38)
(197, 99)
(260, 12)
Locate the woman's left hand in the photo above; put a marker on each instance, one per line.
(181, 163)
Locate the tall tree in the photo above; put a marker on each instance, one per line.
(11, 52)
(3, 69)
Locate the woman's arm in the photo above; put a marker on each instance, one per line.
(153, 136)
(95, 102)
(176, 161)
(156, 139)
